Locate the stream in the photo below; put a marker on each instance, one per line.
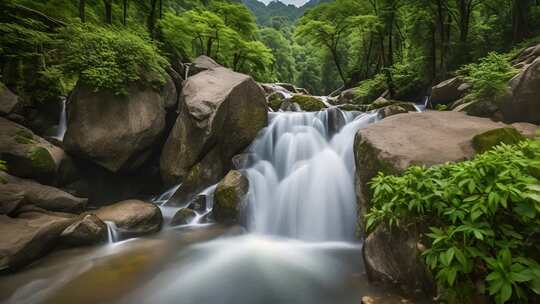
(299, 244)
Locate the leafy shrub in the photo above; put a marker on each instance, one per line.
(441, 107)
(370, 89)
(489, 77)
(111, 58)
(483, 217)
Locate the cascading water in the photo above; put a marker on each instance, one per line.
(300, 249)
(301, 184)
(62, 123)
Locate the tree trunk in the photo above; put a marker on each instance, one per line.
(125, 7)
(338, 65)
(82, 7)
(108, 11)
(152, 17)
(520, 20)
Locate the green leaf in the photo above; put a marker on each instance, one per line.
(506, 292)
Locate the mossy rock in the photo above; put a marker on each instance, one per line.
(275, 100)
(308, 103)
(383, 102)
(42, 160)
(487, 140)
(229, 196)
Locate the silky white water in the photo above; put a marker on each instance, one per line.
(300, 247)
(62, 122)
(301, 184)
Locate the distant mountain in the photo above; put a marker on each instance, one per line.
(291, 13)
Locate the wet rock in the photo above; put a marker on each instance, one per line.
(28, 155)
(448, 91)
(243, 160)
(347, 96)
(270, 88)
(29, 236)
(487, 140)
(222, 113)
(275, 100)
(42, 196)
(289, 87)
(229, 197)
(11, 198)
(183, 217)
(336, 120)
(198, 203)
(132, 217)
(288, 106)
(382, 102)
(86, 231)
(114, 131)
(308, 103)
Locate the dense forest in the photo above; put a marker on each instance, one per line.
(311, 149)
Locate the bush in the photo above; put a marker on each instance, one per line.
(489, 77)
(483, 217)
(111, 58)
(370, 89)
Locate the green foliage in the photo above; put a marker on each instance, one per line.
(3, 166)
(370, 89)
(111, 58)
(441, 107)
(489, 77)
(483, 217)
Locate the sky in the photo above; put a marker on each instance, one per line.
(293, 2)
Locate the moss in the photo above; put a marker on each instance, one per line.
(42, 160)
(275, 100)
(24, 137)
(487, 140)
(381, 103)
(308, 103)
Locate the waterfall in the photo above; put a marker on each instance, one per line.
(62, 123)
(302, 179)
(112, 232)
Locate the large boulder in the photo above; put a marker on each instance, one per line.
(132, 217)
(524, 106)
(229, 197)
(114, 131)
(28, 192)
(222, 111)
(86, 231)
(448, 91)
(27, 154)
(393, 145)
(169, 93)
(29, 236)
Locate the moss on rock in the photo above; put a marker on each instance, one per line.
(229, 195)
(275, 100)
(42, 160)
(487, 140)
(308, 103)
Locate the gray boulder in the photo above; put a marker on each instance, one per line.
(114, 131)
(222, 111)
(27, 154)
(183, 217)
(132, 217)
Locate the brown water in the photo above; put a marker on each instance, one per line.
(209, 264)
